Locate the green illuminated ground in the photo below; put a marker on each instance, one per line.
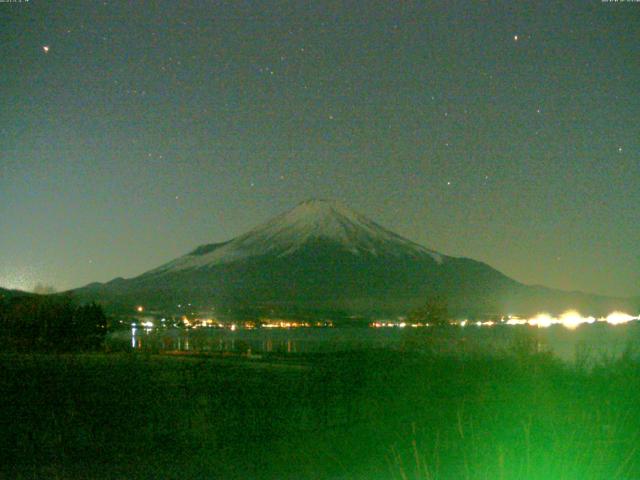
(375, 414)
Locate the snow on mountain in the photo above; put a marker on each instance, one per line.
(310, 221)
(324, 257)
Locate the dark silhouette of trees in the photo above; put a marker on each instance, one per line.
(50, 323)
(435, 312)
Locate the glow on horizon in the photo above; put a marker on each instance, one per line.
(542, 320)
(617, 318)
(24, 279)
(571, 319)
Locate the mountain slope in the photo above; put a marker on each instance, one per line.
(323, 256)
(6, 294)
(314, 221)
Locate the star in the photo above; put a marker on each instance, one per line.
(45, 48)
(620, 149)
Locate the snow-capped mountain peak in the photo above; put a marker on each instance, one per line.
(314, 220)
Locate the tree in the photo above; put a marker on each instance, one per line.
(50, 323)
(434, 312)
(90, 323)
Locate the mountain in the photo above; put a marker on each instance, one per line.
(312, 223)
(323, 257)
(6, 294)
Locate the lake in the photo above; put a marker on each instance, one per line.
(588, 341)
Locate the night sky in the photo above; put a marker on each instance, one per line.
(131, 132)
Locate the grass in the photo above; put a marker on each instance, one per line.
(369, 414)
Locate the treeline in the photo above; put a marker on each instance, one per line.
(47, 323)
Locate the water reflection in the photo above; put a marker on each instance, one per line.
(597, 339)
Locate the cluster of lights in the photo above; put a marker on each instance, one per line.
(488, 323)
(195, 323)
(286, 324)
(570, 319)
(277, 323)
(203, 323)
(397, 324)
(247, 325)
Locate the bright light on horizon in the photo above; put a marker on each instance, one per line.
(542, 320)
(572, 319)
(569, 319)
(617, 318)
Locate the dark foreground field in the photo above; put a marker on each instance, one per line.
(374, 415)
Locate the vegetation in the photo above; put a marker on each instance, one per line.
(370, 414)
(35, 323)
(434, 312)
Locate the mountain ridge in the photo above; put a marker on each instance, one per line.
(321, 255)
(288, 232)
